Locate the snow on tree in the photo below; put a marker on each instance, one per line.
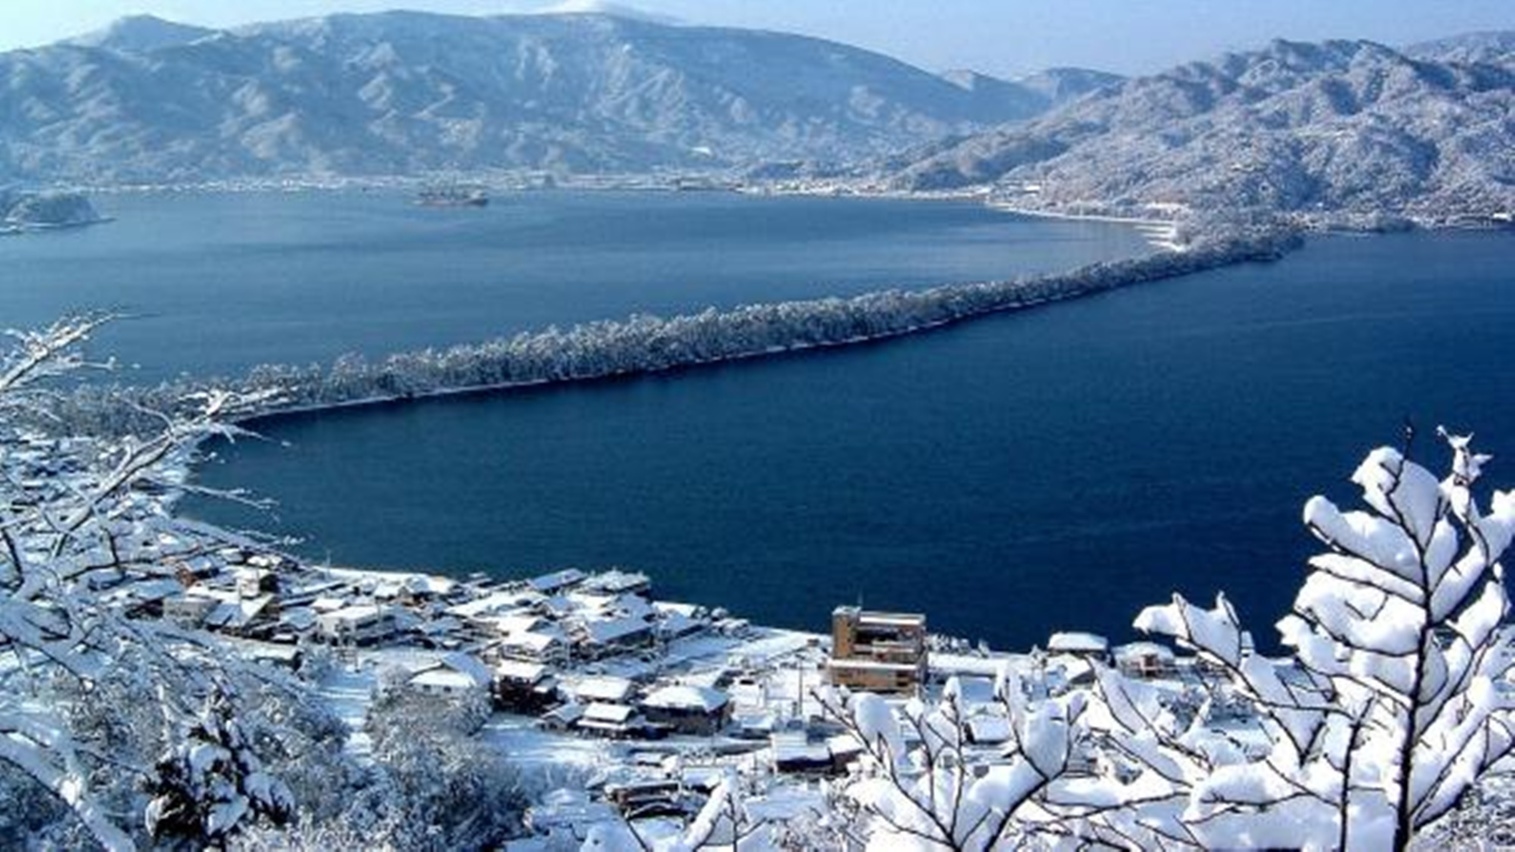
(79, 518)
(929, 795)
(731, 820)
(433, 784)
(211, 780)
(1394, 702)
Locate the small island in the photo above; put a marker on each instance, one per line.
(32, 211)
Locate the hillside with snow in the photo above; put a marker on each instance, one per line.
(406, 93)
(1346, 131)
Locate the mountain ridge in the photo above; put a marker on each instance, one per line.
(1343, 130)
(404, 93)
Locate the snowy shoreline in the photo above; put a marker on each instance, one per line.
(1160, 233)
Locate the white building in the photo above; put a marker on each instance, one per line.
(357, 625)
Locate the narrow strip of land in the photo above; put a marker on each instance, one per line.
(646, 344)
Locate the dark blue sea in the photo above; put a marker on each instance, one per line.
(1052, 469)
(215, 283)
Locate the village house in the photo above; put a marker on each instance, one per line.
(457, 675)
(648, 798)
(563, 717)
(447, 682)
(677, 620)
(523, 687)
(496, 604)
(356, 625)
(280, 656)
(618, 721)
(557, 581)
(253, 582)
(549, 646)
(1146, 660)
(145, 599)
(244, 616)
(600, 638)
(604, 689)
(1088, 646)
(696, 710)
(793, 752)
(877, 651)
(188, 611)
(222, 610)
(618, 582)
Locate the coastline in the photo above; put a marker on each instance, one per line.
(1160, 233)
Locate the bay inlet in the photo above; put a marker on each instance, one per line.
(1020, 474)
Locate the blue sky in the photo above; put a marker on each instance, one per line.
(1005, 37)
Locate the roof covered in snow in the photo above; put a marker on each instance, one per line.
(681, 697)
(1077, 643)
(444, 679)
(609, 689)
(1138, 650)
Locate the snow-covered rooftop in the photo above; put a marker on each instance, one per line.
(610, 630)
(558, 580)
(682, 697)
(609, 689)
(1136, 650)
(493, 603)
(469, 665)
(357, 613)
(444, 680)
(1074, 642)
(520, 671)
(615, 714)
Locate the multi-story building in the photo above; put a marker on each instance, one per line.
(877, 651)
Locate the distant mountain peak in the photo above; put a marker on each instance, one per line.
(139, 33)
(964, 78)
(1063, 84)
(1488, 46)
(612, 10)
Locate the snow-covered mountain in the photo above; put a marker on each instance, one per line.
(404, 92)
(1029, 96)
(1495, 46)
(138, 33)
(1341, 129)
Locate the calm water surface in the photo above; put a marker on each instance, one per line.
(219, 282)
(1046, 470)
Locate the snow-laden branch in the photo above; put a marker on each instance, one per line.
(1396, 698)
(76, 522)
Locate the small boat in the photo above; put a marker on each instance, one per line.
(452, 196)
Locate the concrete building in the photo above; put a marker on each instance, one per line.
(877, 651)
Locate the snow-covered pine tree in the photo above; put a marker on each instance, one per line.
(212, 779)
